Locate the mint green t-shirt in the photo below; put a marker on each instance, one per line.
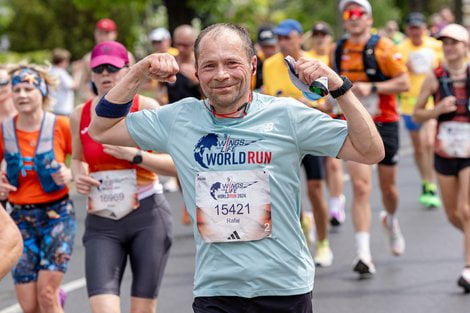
(274, 136)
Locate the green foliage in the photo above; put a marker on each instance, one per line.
(47, 24)
(254, 13)
(37, 57)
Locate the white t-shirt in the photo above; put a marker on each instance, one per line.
(63, 95)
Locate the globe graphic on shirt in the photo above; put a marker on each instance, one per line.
(204, 144)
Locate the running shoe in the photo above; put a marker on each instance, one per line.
(62, 297)
(423, 199)
(432, 200)
(464, 280)
(364, 266)
(323, 254)
(337, 213)
(395, 237)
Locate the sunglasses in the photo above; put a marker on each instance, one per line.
(108, 67)
(4, 82)
(353, 13)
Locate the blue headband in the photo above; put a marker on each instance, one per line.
(27, 75)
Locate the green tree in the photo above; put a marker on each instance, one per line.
(47, 24)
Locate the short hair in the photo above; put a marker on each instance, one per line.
(216, 29)
(59, 55)
(50, 80)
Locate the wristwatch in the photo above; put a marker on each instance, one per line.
(137, 158)
(344, 87)
(373, 88)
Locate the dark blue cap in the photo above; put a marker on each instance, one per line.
(285, 27)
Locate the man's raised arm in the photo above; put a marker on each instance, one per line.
(363, 143)
(108, 122)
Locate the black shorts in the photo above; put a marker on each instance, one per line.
(390, 136)
(143, 236)
(272, 304)
(450, 166)
(314, 167)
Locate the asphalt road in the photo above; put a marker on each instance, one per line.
(422, 280)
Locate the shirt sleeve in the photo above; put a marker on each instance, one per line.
(317, 133)
(150, 128)
(389, 58)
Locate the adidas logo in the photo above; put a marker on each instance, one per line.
(113, 214)
(234, 236)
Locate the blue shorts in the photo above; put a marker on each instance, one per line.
(411, 125)
(48, 235)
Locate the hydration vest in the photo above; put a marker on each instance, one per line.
(371, 67)
(43, 162)
(446, 88)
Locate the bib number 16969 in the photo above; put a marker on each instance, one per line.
(232, 209)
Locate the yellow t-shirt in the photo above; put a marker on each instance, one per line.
(324, 58)
(420, 60)
(276, 79)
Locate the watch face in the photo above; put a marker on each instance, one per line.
(137, 159)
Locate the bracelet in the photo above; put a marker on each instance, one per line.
(104, 108)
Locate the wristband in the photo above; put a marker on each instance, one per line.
(104, 108)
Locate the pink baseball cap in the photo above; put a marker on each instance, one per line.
(109, 52)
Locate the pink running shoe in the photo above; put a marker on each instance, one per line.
(62, 297)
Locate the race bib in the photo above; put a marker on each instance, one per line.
(116, 196)
(371, 103)
(455, 139)
(233, 206)
(421, 61)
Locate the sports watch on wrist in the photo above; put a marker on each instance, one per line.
(137, 158)
(343, 89)
(373, 88)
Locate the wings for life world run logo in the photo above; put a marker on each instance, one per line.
(213, 149)
(229, 189)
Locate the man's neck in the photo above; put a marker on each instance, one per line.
(234, 110)
(417, 41)
(456, 65)
(359, 38)
(296, 54)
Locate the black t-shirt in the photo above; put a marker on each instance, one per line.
(182, 88)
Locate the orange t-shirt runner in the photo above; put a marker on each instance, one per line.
(29, 188)
(390, 63)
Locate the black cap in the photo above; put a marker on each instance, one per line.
(266, 36)
(322, 28)
(415, 19)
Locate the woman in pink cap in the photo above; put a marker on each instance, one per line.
(128, 215)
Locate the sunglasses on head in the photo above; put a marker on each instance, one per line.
(353, 13)
(108, 67)
(4, 82)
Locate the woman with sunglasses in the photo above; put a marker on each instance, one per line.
(35, 143)
(128, 215)
(450, 86)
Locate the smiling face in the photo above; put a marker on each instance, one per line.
(225, 69)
